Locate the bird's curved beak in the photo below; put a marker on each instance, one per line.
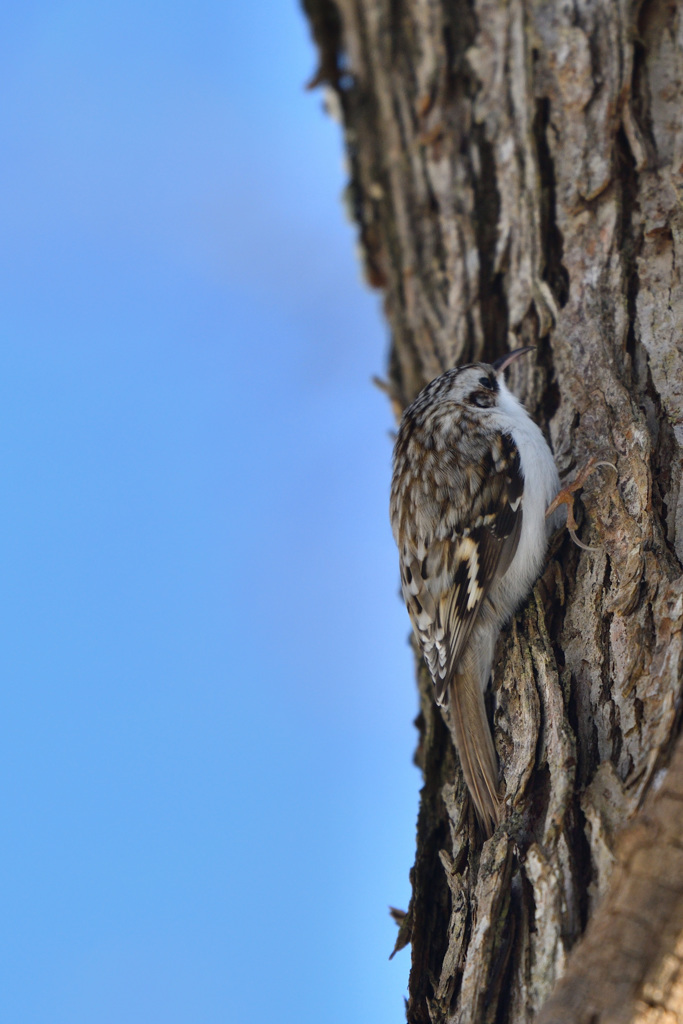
(501, 365)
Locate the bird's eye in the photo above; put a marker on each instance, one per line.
(486, 382)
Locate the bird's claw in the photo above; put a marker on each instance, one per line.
(565, 496)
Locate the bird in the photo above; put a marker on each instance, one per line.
(472, 479)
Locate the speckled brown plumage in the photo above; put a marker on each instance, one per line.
(465, 455)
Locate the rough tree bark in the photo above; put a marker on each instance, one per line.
(516, 177)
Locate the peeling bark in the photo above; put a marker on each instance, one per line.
(629, 965)
(517, 178)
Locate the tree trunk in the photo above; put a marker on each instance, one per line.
(516, 179)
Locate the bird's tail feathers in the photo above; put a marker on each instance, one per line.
(475, 746)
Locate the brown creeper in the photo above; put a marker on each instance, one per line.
(473, 476)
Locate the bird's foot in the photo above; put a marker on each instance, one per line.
(566, 497)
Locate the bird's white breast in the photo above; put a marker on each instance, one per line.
(541, 484)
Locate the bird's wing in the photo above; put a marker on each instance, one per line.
(446, 581)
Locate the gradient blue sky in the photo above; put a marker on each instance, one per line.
(206, 790)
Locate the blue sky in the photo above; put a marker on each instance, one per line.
(206, 790)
